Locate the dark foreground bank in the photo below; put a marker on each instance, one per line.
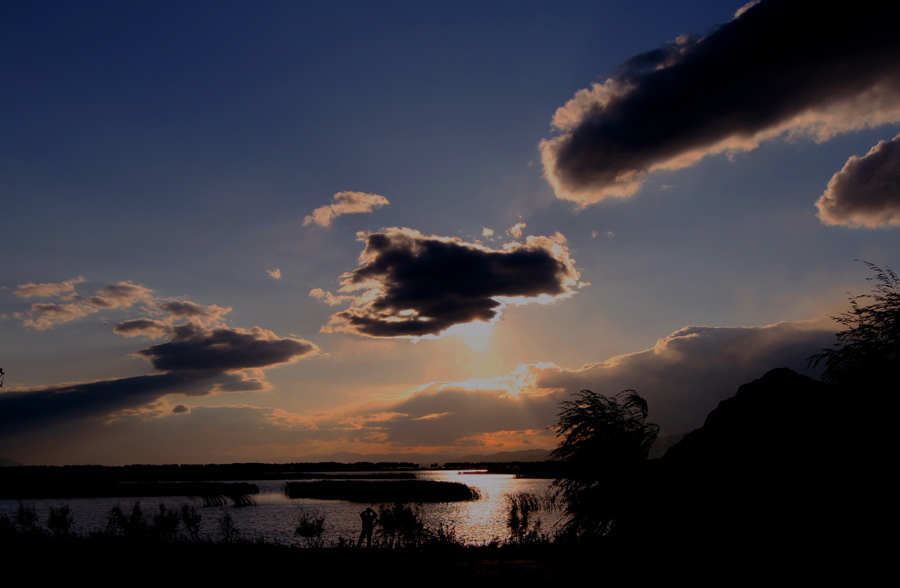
(107, 559)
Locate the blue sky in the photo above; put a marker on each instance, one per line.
(158, 162)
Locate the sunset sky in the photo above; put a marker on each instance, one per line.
(274, 231)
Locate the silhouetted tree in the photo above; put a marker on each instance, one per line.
(868, 349)
(604, 442)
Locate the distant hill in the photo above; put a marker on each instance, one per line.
(8, 462)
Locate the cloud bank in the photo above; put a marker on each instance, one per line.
(683, 377)
(411, 285)
(866, 192)
(345, 203)
(789, 68)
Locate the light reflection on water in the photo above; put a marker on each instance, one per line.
(274, 518)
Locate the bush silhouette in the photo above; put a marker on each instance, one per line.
(310, 525)
(60, 521)
(401, 525)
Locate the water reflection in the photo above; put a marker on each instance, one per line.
(275, 516)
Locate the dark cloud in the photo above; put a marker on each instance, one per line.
(782, 67)
(201, 434)
(197, 361)
(194, 348)
(866, 192)
(143, 327)
(413, 285)
(185, 309)
(52, 405)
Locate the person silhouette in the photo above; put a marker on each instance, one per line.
(369, 517)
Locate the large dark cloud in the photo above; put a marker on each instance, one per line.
(866, 192)
(196, 361)
(413, 285)
(21, 410)
(794, 67)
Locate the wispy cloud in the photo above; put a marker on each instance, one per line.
(275, 274)
(781, 68)
(46, 315)
(412, 285)
(121, 295)
(60, 289)
(345, 203)
(866, 192)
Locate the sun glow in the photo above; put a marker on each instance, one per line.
(477, 334)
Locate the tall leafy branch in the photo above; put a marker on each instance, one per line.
(867, 351)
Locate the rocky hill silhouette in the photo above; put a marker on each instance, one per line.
(789, 471)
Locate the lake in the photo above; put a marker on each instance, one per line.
(274, 517)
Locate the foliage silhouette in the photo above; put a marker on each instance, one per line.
(27, 518)
(523, 522)
(310, 525)
(228, 531)
(191, 521)
(868, 349)
(132, 526)
(60, 521)
(401, 525)
(165, 523)
(604, 442)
